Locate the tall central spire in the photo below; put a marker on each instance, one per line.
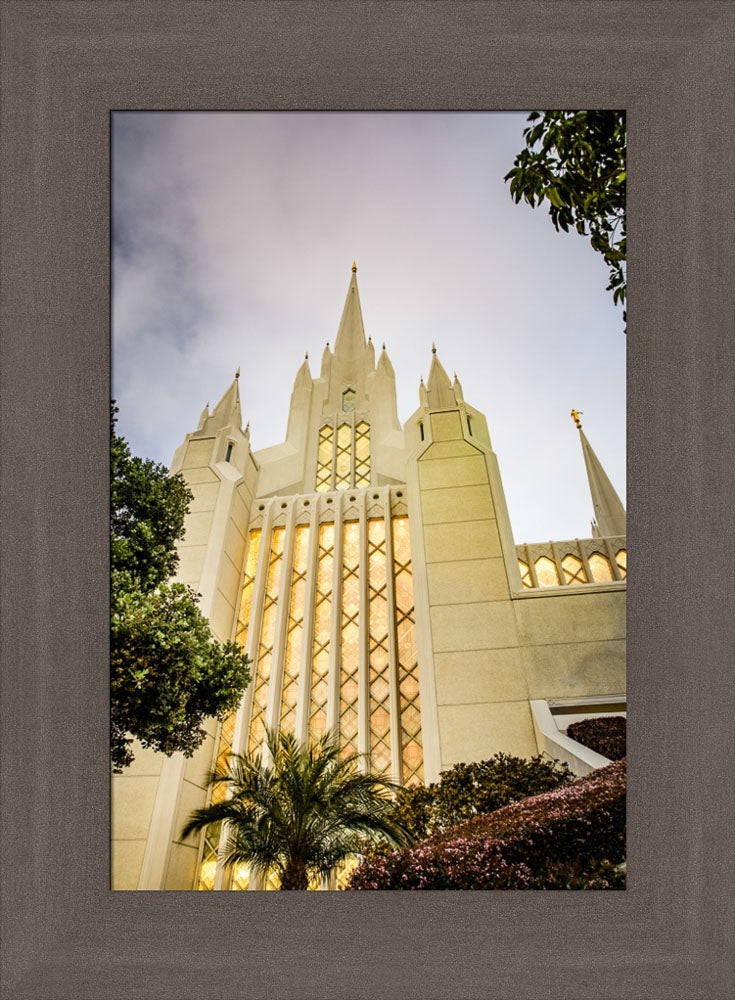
(351, 335)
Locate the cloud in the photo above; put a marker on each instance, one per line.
(233, 237)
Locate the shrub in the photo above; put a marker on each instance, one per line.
(571, 837)
(605, 735)
(467, 790)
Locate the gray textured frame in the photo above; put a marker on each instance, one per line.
(65, 65)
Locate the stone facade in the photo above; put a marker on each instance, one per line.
(371, 574)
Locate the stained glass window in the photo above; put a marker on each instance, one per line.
(208, 864)
(526, 578)
(267, 636)
(379, 663)
(348, 400)
(546, 572)
(246, 600)
(343, 463)
(621, 558)
(412, 768)
(324, 460)
(322, 632)
(600, 567)
(362, 454)
(240, 877)
(350, 649)
(295, 628)
(573, 569)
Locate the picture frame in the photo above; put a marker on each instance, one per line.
(66, 66)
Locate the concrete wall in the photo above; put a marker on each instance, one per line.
(494, 647)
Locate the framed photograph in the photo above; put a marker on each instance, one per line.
(69, 69)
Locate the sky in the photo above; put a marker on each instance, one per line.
(233, 236)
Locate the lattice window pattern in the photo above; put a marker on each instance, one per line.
(294, 630)
(208, 864)
(621, 558)
(362, 454)
(350, 647)
(322, 632)
(573, 569)
(240, 877)
(526, 578)
(600, 568)
(546, 573)
(248, 583)
(348, 400)
(267, 636)
(343, 463)
(324, 459)
(412, 766)
(379, 662)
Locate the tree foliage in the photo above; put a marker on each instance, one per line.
(572, 837)
(575, 160)
(167, 672)
(298, 810)
(467, 790)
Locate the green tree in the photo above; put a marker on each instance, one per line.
(467, 790)
(298, 810)
(579, 168)
(167, 672)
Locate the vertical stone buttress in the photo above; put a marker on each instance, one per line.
(153, 798)
(464, 570)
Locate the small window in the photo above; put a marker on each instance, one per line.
(469, 425)
(229, 452)
(421, 429)
(348, 400)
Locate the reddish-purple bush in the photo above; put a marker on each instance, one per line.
(572, 837)
(605, 735)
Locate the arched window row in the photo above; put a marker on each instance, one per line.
(571, 564)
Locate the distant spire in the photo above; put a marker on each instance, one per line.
(384, 365)
(351, 335)
(439, 388)
(607, 505)
(227, 412)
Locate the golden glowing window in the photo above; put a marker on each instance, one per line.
(348, 400)
(526, 579)
(412, 764)
(546, 572)
(267, 636)
(246, 599)
(573, 570)
(350, 648)
(208, 864)
(600, 567)
(322, 632)
(379, 663)
(621, 558)
(324, 460)
(362, 454)
(343, 463)
(294, 631)
(240, 877)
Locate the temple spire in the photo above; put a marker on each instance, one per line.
(608, 507)
(227, 411)
(351, 335)
(439, 388)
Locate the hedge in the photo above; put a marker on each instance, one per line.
(572, 837)
(604, 735)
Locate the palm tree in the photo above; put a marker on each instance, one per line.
(300, 814)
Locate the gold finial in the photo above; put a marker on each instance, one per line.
(354, 267)
(306, 356)
(433, 347)
(383, 345)
(575, 417)
(237, 373)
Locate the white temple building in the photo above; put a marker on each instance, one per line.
(370, 572)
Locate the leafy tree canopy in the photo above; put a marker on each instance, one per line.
(168, 673)
(467, 790)
(299, 811)
(576, 161)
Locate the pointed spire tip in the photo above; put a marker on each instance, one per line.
(237, 373)
(575, 414)
(354, 267)
(433, 347)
